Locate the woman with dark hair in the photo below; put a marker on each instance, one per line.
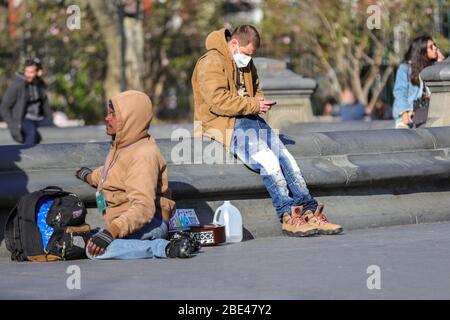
(409, 87)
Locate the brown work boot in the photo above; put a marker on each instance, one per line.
(294, 225)
(320, 221)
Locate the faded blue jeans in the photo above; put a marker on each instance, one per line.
(261, 149)
(29, 128)
(147, 242)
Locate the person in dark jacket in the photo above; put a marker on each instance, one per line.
(25, 104)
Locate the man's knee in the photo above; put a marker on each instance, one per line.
(268, 161)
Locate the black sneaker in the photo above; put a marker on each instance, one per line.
(179, 247)
(193, 242)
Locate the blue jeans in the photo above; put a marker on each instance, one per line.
(260, 148)
(29, 128)
(147, 242)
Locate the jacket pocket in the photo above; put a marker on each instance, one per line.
(116, 198)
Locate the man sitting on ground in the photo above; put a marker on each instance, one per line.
(132, 188)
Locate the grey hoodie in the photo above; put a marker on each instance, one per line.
(14, 104)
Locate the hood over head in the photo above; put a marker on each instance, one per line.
(134, 113)
(218, 40)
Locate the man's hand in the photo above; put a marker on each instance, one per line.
(265, 105)
(99, 242)
(83, 173)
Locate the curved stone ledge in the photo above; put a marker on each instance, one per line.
(97, 133)
(329, 161)
(197, 151)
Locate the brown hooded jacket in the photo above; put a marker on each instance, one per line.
(214, 82)
(136, 185)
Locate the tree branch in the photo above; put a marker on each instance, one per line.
(376, 93)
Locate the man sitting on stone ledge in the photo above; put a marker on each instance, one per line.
(132, 188)
(228, 105)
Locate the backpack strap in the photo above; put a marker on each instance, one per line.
(12, 234)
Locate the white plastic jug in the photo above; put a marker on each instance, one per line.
(231, 218)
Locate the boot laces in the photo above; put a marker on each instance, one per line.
(298, 220)
(322, 218)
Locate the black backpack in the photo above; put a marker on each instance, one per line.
(66, 215)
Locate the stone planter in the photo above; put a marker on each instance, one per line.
(437, 78)
(291, 91)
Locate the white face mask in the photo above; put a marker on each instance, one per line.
(242, 60)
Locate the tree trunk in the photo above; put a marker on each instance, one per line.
(107, 18)
(106, 13)
(134, 57)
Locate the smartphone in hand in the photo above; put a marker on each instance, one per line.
(270, 103)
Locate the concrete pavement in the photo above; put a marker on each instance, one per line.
(414, 262)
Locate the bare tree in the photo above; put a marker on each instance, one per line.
(123, 35)
(108, 22)
(340, 40)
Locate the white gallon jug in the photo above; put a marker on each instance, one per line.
(231, 218)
